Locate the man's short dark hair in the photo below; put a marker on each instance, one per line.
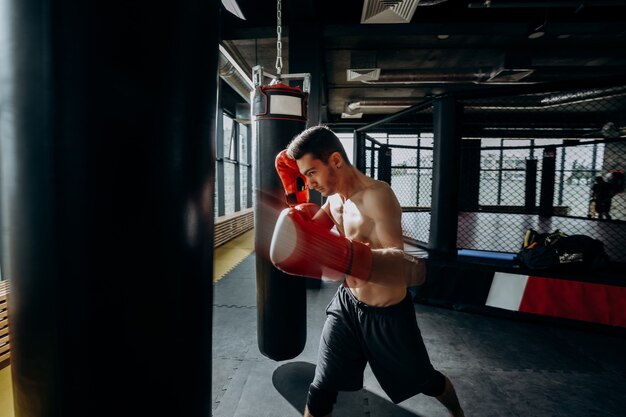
(319, 141)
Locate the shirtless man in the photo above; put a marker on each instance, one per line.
(371, 318)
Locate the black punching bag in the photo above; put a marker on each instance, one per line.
(279, 114)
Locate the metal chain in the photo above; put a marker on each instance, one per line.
(279, 44)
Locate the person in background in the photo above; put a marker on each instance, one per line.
(602, 194)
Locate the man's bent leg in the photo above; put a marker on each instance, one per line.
(442, 389)
(449, 399)
(319, 402)
(308, 414)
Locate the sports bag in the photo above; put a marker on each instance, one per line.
(561, 251)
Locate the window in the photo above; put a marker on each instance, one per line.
(233, 168)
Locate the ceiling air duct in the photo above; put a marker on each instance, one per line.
(233, 74)
(386, 11)
(389, 11)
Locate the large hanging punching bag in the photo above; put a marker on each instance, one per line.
(279, 115)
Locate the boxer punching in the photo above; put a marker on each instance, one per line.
(303, 233)
(371, 318)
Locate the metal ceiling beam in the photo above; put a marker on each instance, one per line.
(402, 113)
(543, 134)
(499, 4)
(612, 25)
(242, 32)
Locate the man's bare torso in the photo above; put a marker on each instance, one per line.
(353, 220)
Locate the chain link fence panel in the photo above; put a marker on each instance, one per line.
(544, 161)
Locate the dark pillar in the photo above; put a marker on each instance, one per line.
(548, 167)
(530, 192)
(384, 164)
(446, 159)
(220, 182)
(306, 56)
(107, 129)
(359, 151)
(469, 175)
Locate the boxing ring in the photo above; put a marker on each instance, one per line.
(504, 232)
(485, 276)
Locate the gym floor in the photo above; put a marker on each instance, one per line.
(500, 367)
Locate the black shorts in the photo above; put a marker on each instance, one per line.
(386, 337)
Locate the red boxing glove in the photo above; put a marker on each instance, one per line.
(293, 181)
(310, 210)
(301, 247)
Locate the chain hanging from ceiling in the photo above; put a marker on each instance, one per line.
(279, 43)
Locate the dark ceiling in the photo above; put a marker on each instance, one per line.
(447, 46)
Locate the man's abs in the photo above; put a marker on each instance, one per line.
(375, 295)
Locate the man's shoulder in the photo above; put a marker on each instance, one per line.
(378, 188)
(379, 197)
(373, 190)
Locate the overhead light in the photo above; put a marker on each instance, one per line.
(388, 11)
(233, 7)
(443, 37)
(540, 30)
(537, 33)
(381, 103)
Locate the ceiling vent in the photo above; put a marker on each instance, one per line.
(345, 115)
(363, 74)
(509, 75)
(388, 11)
(513, 67)
(363, 66)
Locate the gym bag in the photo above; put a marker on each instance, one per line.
(561, 251)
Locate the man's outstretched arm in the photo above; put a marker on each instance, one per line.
(389, 262)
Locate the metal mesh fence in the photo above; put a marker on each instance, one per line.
(411, 176)
(511, 177)
(545, 161)
(371, 161)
